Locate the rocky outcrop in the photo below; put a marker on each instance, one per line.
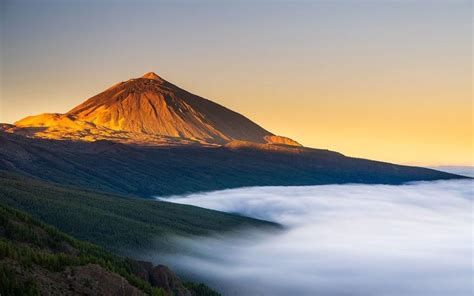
(270, 147)
(90, 279)
(162, 277)
(279, 140)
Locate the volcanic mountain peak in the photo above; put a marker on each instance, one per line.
(149, 110)
(152, 75)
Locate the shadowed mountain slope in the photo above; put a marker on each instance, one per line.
(151, 171)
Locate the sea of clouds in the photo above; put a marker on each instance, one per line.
(413, 239)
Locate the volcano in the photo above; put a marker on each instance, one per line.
(149, 110)
(148, 137)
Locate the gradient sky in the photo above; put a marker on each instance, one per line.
(386, 80)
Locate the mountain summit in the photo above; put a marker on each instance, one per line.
(149, 110)
(152, 75)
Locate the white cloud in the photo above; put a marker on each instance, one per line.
(341, 240)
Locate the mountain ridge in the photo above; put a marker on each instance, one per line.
(148, 171)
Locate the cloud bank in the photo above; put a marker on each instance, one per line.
(340, 240)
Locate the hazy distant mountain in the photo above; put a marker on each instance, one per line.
(148, 110)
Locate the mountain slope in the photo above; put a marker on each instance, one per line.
(148, 110)
(37, 259)
(167, 110)
(115, 222)
(152, 171)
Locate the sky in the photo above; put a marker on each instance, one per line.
(385, 80)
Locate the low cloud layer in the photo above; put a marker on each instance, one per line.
(340, 240)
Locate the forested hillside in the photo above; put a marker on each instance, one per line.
(116, 222)
(37, 259)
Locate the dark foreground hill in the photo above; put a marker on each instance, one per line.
(151, 171)
(37, 259)
(118, 223)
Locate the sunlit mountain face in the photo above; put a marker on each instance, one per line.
(148, 111)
